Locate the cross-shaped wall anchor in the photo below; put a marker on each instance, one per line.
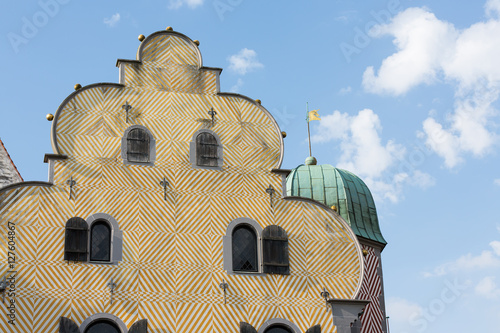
(71, 183)
(3, 287)
(127, 108)
(212, 114)
(224, 286)
(111, 285)
(164, 183)
(326, 295)
(270, 190)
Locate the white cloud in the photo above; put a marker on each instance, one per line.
(418, 36)
(486, 260)
(430, 50)
(402, 314)
(364, 153)
(113, 20)
(345, 91)
(422, 179)
(492, 6)
(244, 61)
(497, 181)
(487, 288)
(441, 141)
(175, 4)
(236, 88)
(495, 245)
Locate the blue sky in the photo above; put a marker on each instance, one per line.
(407, 90)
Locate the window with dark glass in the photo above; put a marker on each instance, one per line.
(206, 150)
(102, 326)
(244, 249)
(76, 239)
(138, 145)
(100, 241)
(278, 329)
(275, 250)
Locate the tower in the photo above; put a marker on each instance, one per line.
(349, 196)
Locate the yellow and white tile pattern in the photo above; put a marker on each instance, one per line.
(172, 249)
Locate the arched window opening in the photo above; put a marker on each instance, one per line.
(275, 250)
(138, 146)
(206, 150)
(102, 326)
(100, 241)
(278, 329)
(244, 249)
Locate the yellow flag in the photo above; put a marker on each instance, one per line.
(313, 115)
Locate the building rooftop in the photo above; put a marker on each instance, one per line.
(342, 189)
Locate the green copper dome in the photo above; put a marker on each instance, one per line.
(339, 188)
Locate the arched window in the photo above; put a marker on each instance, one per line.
(102, 326)
(244, 249)
(100, 241)
(104, 323)
(205, 150)
(279, 325)
(138, 146)
(275, 250)
(241, 247)
(278, 329)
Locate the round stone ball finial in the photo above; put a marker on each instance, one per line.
(141, 38)
(334, 208)
(283, 134)
(197, 42)
(170, 29)
(365, 253)
(311, 160)
(49, 116)
(258, 101)
(78, 86)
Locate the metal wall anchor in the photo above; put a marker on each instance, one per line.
(71, 183)
(326, 295)
(127, 108)
(224, 286)
(270, 190)
(164, 183)
(212, 114)
(111, 285)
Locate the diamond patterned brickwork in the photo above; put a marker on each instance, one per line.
(172, 249)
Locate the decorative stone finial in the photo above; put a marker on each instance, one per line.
(311, 160)
(197, 42)
(141, 38)
(334, 208)
(169, 29)
(49, 116)
(365, 253)
(78, 86)
(283, 134)
(258, 101)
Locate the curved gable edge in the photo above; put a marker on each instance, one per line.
(267, 113)
(349, 230)
(24, 184)
(53, 136)
(144, 43)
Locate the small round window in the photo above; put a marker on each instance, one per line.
(102, 326)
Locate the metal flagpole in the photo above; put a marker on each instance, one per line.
(308, 130)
